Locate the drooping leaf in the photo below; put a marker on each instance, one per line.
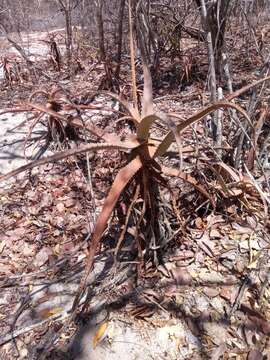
(75, 121)
(144, 126)
(120, 182)
(133, 111)
(169, 138)
(70, 152)
(246, 88)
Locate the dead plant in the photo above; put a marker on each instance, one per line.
(142, 171)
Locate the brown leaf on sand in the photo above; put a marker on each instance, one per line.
(42, 256)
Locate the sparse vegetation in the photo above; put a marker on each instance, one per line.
(148, 149)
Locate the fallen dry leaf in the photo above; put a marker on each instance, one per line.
(100, 333)
(255, 354)
(70, 203)
(47, 313)
(181, 276)
(60, 207)
(42, 256)
(2, 246)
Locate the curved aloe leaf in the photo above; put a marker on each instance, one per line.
(144, 126)
(147, 100)
(232, 172)
(169, 138)
(124, 118)
(120, 182)
(28, 136)
(76, 122)
(38, 92)
(63, 154)
(133, 111)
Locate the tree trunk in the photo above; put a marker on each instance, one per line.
(216, 20)
(210, 48)
(102, 51)
(68, 35)
(120, 38)
(67, 10)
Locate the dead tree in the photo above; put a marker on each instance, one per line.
(99, 15)
(66, 7)
(215, 20)
(119, 37)
(55, 54)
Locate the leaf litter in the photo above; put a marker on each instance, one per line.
(210, 296)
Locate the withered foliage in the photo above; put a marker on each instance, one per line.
(123, 168)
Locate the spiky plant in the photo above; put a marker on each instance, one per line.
(142, 169)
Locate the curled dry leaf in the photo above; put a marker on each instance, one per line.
(211, 292)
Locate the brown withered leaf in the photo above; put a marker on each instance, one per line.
(211, 292)
(42, 256)
(261, 325)
(256, 320)
(255, 354)
(70, 202)
(199, 223)
(181, 276)
(218, 352)
(206, 244)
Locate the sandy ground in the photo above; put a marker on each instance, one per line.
(11, 142)
(11, 137)
(122, 340)
(13, 152)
